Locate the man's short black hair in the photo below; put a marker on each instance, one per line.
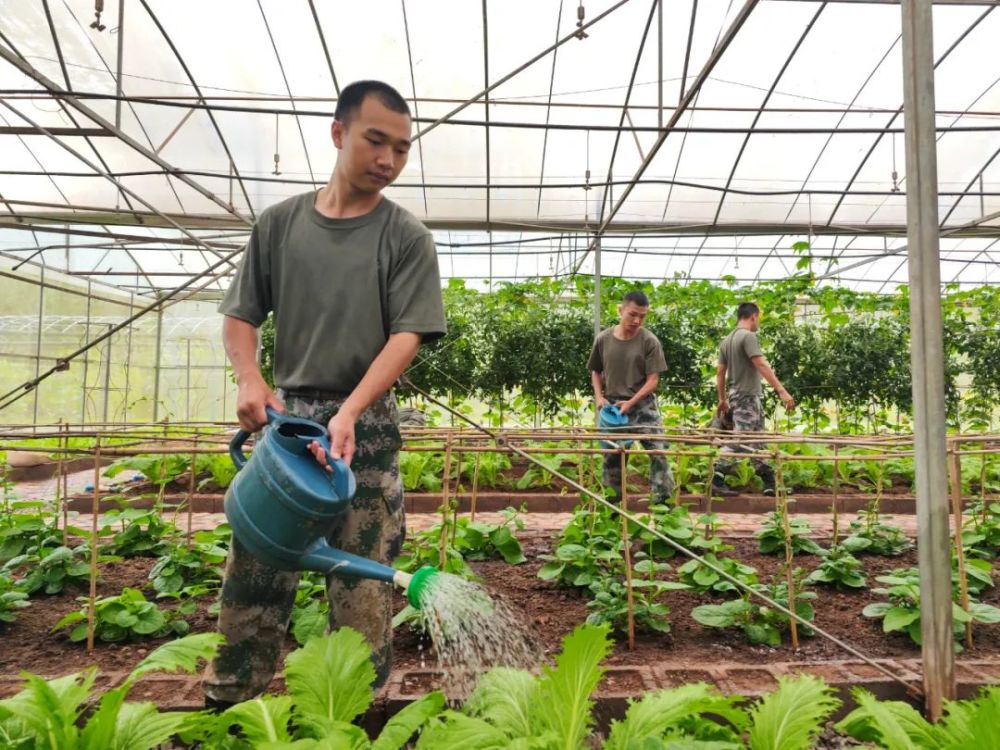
(746, 310)
(352, 96)
(637, 297)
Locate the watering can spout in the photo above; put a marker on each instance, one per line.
(323, 558)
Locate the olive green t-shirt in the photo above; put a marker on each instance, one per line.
(337, 287)
(735, 353)
(624, 365)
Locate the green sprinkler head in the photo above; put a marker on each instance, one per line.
(418, 583)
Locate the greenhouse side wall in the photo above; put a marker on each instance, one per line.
(116, 380)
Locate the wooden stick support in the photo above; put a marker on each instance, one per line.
(628, 552)
(475, 489)
(782, 501)
(95, 511)
(190, 496)
(956, 509)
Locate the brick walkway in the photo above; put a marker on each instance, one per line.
(734, 523)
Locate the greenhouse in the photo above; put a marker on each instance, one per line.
(609, 373)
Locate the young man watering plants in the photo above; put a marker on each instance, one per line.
(625, 365)
(737, 380)
(353, 282)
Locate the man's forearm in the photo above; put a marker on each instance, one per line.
(386, 368)
(595, 381)
(648, 387)
(240, 341)
(768, 374)
(720, 383)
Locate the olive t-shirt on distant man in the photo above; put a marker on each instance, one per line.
(736, 353)
(338, 288)
(625, 364)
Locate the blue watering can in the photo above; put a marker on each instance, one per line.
(282, 505)
(610, 419)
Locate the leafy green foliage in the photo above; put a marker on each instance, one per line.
(901, 611)
(28, 534)
(690, 712)
(703, 579)
(791, 717)
(511, 708)
(463, 540)
(160, 470)
(771, 535)
(124, 617)
(142, 534)
(51, 715)
(311, 610)
(869, 534)
(610, 602)
(839, 568)
(421, 471)
(329, 685)
(589, 549)
(53, 571)
(182, 569)
(759, 623)
(11, 599)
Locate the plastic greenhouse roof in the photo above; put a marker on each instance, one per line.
(702, 138)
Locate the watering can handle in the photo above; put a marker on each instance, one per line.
(236, 444)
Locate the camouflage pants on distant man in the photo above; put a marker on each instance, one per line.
(748, 416)
(257, 599)
(643, 417)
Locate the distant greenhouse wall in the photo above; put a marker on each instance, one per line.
(45, 316)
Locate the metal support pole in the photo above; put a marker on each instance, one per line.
(107, 376)
(86, 357)
(118, 76)
(156, 365)
(597, 285)
(38, 340)
(187, 385)
(927, 356)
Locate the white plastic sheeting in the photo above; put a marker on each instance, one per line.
(794, 135)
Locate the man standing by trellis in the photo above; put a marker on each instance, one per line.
(353, 282)
(737, 380)
(625, 365)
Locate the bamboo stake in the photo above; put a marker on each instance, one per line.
(190, 496)
(628, 552)
(95, 510)
(836, 493)
(782, 500)
(59, 498)
(708, 488)
(443, 550)
(956, 509)
(475, 489)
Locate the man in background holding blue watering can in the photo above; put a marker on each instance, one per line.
(353, 282)
(625, 365)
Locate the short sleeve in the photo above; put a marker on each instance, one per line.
(751, 347)
(655, 361)
(414, 295)
(595, 363)
(249, 295)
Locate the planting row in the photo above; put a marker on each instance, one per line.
(328, 683)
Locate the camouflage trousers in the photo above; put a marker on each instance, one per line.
(643, 417)
(748, 416)
(257, 599)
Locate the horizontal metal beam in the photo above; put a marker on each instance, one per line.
(82, 132)
(220, 222)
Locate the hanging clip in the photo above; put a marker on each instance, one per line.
(581, 13)
(98, 9)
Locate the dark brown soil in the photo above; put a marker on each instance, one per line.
(551, 612)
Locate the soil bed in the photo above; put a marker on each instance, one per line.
(550, 611)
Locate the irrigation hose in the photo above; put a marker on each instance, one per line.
(504, 443)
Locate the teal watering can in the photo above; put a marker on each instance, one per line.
(611, 419)
(282, 505)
